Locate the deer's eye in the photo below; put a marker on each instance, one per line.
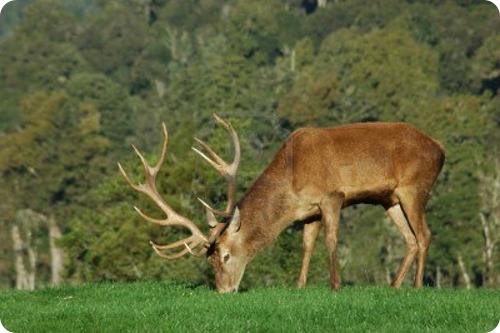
(226, 258)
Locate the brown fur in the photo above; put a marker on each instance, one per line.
(318, 171)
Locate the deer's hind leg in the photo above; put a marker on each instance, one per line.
(398, 217)
(413, 202)
(311, 230)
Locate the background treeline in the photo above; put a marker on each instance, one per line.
(80, 80)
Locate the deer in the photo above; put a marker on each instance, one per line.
(314, 175)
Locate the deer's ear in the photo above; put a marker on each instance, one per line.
(234, 224)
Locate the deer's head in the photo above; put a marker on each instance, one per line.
(228, 255)
(224, 246)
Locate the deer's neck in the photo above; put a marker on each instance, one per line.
(266, 210)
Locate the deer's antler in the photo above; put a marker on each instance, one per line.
(172, 218)
(228, 171)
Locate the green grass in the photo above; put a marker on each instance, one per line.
(167, 307)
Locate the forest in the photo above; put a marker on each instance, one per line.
(82, 80)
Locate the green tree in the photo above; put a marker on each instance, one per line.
(113, 40)
(486, 64)
(350, 80)
(46, 60)
(40, 165)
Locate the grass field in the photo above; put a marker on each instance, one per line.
(167, 307)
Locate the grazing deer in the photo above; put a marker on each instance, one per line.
(316, 173)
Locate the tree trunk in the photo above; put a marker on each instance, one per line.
(32, 263)
(388, 261)
(21, 274)
(488, 250)
(25, 279)
(463, 271)
(489, 216)
(321, 3)
(438, 276)
(56, 253)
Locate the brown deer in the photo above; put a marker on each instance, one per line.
(316, 173)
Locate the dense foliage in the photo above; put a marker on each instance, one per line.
(81, 80)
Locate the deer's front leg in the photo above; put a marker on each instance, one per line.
(311, 231)
(330, 210)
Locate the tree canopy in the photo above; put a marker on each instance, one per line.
(82, 80)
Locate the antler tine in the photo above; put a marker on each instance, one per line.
(193, 243)
(164, 148)
(172, 217)
(124, 174)
(152, 172)
(171, 256)
(218, 160)
(234, 136)
(189, 240)
(228, 171)
(187, 248)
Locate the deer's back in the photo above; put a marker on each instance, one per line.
(365, 162)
